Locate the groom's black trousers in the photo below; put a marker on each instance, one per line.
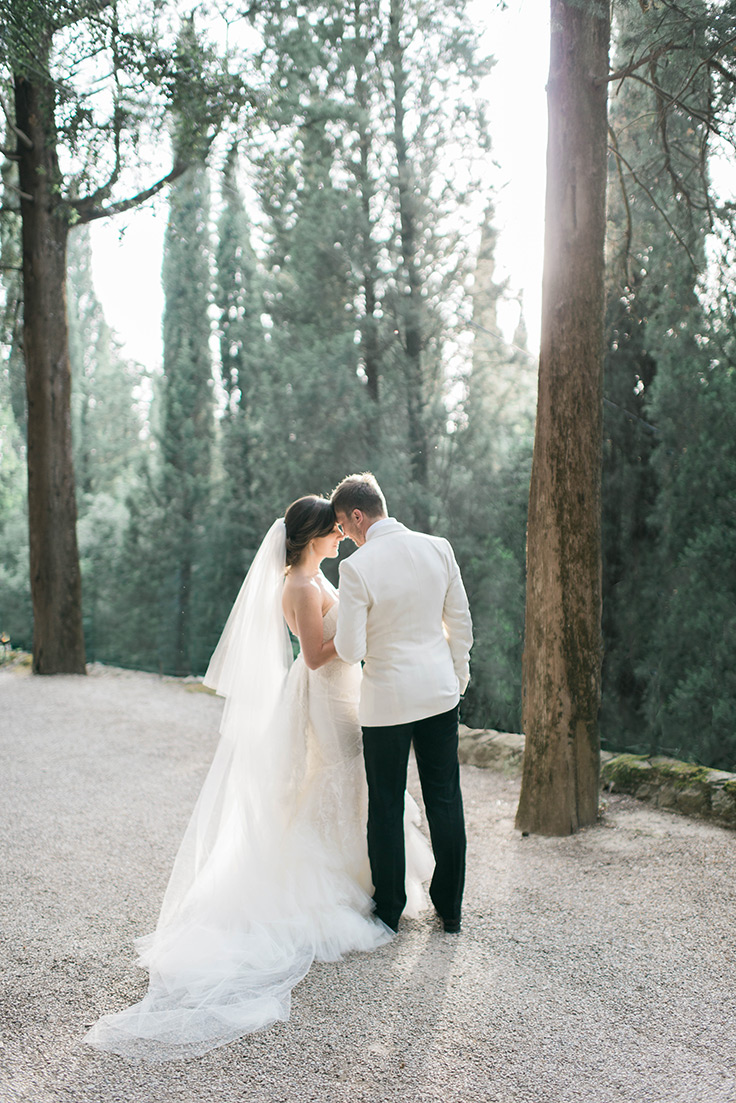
(386, 752)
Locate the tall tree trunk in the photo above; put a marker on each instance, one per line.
(56, 588)
(412, 307)
(562, 653)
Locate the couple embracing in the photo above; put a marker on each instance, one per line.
(273, 871)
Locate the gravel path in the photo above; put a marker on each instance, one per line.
(599, 968)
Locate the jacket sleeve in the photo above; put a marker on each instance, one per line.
(458, 624)
(352, 615)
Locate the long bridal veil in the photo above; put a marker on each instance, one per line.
(235, 934)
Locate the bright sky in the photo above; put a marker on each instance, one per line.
(128, 250)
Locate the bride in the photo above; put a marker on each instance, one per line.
(273, 869)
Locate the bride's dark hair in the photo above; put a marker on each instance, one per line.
(305, 519)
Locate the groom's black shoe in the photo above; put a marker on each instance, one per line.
(392, 923)
(451, 926)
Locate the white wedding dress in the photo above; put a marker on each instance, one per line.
(273, 870)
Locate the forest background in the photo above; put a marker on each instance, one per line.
(332, 304)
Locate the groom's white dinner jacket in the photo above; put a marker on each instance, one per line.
(404, 612)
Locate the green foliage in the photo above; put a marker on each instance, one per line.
(236, 512)
(100, 532)
(487, 514)
(691, 699)
(107, 432)
(485, 503)
(106, 424)
(11, 316)
(186, 409)
(337, 284)
(141, 623)
(368, 247)
(327, 385)
(15, 598)
(669, 470)
(147, 70)
(657, 223)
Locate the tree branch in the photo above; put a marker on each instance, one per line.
(631, 416)
(104, 191)
(21, 134)
(22, 194)
(617, 153)
(726, 73)
(627, 70)
(673, 102)
(625, 198)
(709, 62)
(677, 183)
(84, 11)
(88, 211)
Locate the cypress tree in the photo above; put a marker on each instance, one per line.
(658, 218)
(368, 100)
(185, 402)
(484, 503)
(106, 425)
(108, 450)
(237, 514)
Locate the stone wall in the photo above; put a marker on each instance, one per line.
(664, 782)
(668, 783)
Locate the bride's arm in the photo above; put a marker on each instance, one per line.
(307, 606)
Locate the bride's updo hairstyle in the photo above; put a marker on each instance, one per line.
(306, 519)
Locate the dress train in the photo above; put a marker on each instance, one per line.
(272, 874)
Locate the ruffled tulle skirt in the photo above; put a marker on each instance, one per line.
(272, 875)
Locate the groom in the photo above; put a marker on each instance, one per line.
(403, 611)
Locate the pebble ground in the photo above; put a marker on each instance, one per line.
(599, 968)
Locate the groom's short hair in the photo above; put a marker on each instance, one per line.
(359, 492)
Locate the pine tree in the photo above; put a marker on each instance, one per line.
(485, 500)
(186, 410)
(658, 218)
(432, 70)
(690, 699)
(106, 426)
(313, 379)
(501, 397)
(237, 514)
(372, 100)
(108, 451)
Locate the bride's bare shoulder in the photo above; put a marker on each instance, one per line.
(300, 595)
(296, 585)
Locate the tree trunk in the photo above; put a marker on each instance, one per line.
(562, 653)
(56, 589)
